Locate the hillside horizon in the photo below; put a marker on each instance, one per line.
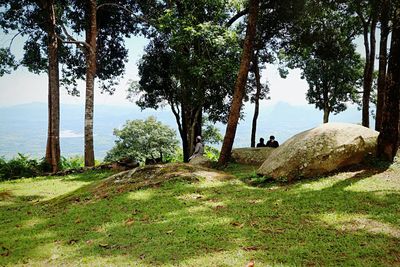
(24, 127)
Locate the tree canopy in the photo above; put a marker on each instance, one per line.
(143, 139)
(322, 47)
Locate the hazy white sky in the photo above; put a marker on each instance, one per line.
(22, 86)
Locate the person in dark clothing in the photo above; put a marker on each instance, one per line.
(272, 142)
(261, 144)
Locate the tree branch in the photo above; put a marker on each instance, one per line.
(125, 9)
(236, 17)
(71, 40)
(12, 39)
(80, 44)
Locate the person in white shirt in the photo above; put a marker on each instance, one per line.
(198, 149)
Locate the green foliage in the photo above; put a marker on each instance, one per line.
(22, 166)
(321, 46)
(7, 62)
(210, 133)
(74, 162)
(175, 157)
(143, 139)
(191, 61)
(211, 153)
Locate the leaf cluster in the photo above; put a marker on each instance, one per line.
(143, 139)
(321, 46)
(191, 59)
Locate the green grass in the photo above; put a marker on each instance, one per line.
(351, 218)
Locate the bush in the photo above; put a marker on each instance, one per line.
(211, 153)
(74, 162)
(143, 139)
(21, 166)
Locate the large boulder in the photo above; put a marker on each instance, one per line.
(320, 150)
(251, 155)
(201, 161)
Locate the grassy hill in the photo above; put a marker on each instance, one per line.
(183, 216)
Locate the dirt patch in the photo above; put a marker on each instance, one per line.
(144, 177)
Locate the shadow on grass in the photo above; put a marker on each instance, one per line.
(183, 224)
(89, 176)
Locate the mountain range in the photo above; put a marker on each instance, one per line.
(23, 128)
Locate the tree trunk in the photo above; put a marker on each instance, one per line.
(193, 130)
(389, 135)
(327, 109)
(256, 101)
(53, 136)
(326, 115)
(240, 84)
(91, 33)
(384, 18)
(369, 69)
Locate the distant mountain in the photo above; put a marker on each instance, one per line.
(23, 128)
(284, 120)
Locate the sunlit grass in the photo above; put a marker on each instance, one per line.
(382, 183)
(45, 188)
(355, 222)
(333, 221)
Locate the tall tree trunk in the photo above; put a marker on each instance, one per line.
(91, 33)
(384, 19)
(327, 109)
(240, 84)
(53, 136)
(256, 101)
(186, 144)
(326, 115)
(389, 135)
(190, 129)
(194, 120)
(369, 68)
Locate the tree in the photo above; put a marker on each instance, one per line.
(388, 139)
(239, 89)
(332, 82)
(143, 139)
(385, 7)
(261, 93)
(37, 20)
(274, 20)
(190, 65)
(367, 12)
(322, 48)
(102, 55)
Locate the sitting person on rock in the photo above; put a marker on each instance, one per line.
(261, 144)
(198, 149)
(272, 142)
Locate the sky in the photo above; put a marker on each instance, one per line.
(22, 87)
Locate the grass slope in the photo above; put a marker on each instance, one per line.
(351, 218)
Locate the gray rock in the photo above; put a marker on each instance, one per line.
(320, 150)
(251, 155)
(201, 161)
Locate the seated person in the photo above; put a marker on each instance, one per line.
(261, 144)
(272, 142)
(199, 148)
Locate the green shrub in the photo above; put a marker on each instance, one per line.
(22, 166)
(73, 162)
(143, 139)
(211, 153)
(175, 157)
